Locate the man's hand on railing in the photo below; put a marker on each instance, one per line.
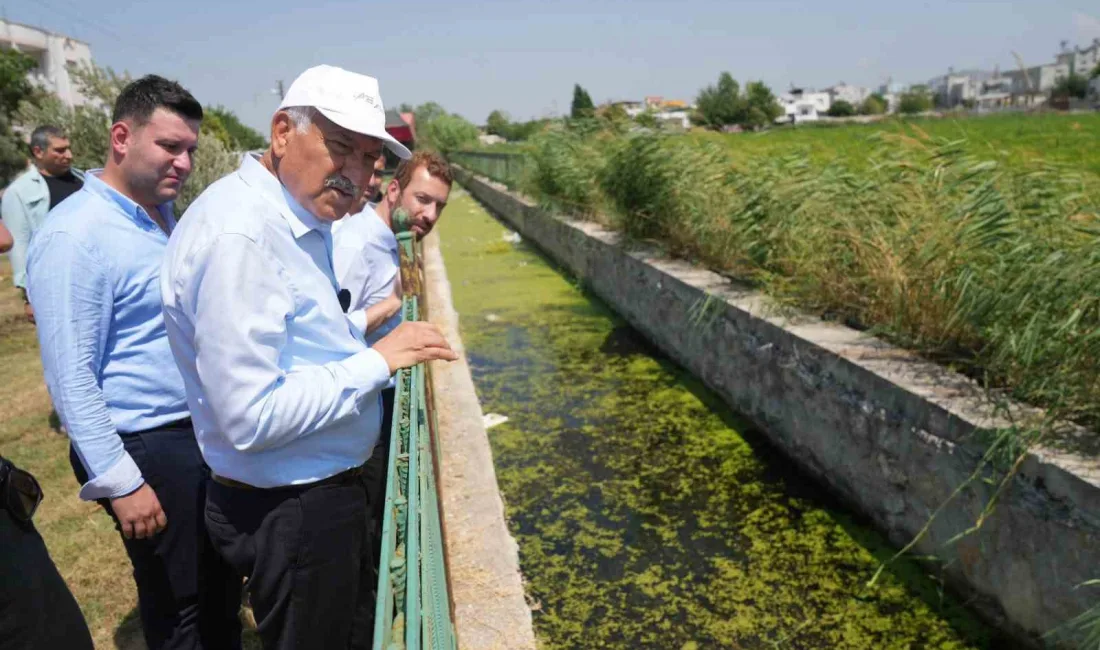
(412, 342)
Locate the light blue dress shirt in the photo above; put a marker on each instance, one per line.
(93, 273)
(367, 264)
(282, 388)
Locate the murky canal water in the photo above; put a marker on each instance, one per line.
(647, 514)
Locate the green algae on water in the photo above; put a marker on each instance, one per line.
(647, 514)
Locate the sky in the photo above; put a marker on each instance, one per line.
(523, 57)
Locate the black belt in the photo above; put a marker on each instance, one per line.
(343, 478)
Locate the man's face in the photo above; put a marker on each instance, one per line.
(373, 185)
(327, 168)
(157, 156)
(424, 199)
(375, 182)
(56, 159)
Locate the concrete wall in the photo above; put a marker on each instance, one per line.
(891, 434)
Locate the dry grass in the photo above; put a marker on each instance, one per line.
(81, 537)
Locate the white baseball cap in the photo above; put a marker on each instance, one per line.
(349, 99)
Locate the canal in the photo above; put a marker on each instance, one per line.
(647, 514)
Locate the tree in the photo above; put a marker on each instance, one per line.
(841, 108)
(242, 137)
(724, 104)
(1074, 85)
(761, 106)
(873, 105)
(582, 106)
(614, 113)
(87, 125)
(405, 108)
(497, 124)
(212, 126)
(647, 119)
(717, 106)
(427, 112)
(917, 100)
(437, 129)
(14, 90)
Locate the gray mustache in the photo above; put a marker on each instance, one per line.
(342, 183)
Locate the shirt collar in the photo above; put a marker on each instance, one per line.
(93, 184)
(260, 178)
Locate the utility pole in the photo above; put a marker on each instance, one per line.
(279, 87)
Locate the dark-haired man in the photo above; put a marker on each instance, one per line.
(48, 181)
(94, 271)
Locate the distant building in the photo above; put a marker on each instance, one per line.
(54, 55)
(1080, 61)
(854, 95)
(1032, 86)
(996, 93)
(956, 89)
(633, 108)
(802, 105)
(670, 112)
(402, 126)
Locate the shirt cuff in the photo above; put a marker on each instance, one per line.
(123, 478)
(369, 370)
(358, 320)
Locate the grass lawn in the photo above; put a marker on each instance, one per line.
(1014, 139)
(81, 537)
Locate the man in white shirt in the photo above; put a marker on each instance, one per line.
(284, 393)
(366, 263)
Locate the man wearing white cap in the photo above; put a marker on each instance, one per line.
(283, 391)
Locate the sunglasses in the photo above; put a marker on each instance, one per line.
(19, 492)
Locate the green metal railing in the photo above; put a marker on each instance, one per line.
(413, 610)
(507, 168)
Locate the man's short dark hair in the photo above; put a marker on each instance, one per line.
(138, 100)
(40, 137)
(435, 164)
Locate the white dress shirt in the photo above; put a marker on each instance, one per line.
(282, 388)
(367, 264)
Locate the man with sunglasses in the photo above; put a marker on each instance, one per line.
(37, 610)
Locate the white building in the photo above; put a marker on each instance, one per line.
(996, 93)
(854, 95)
(801, 105)
(674, 113)
(53, 54)
(959, 88)
(1081, 61)
(1031, 86)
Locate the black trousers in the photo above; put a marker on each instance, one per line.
(374, 481)
(37, 610)
(303, 550)
(374, 476)
(187, 596)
